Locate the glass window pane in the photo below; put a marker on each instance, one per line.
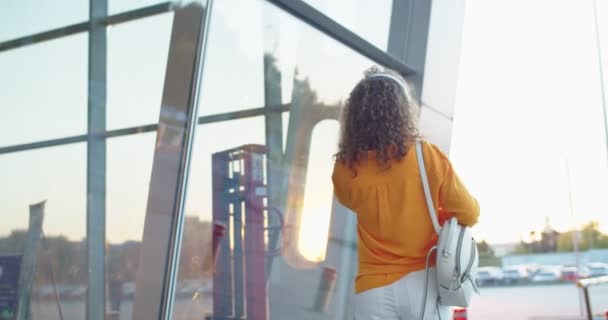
(369, 19)
(57, 177)
(136, 70)
(129, 169)
(44, 90)
(195, 271)
(26, 17)
(235, 36)
(225, 200)
(318, 194)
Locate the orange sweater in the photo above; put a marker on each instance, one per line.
(394, 228)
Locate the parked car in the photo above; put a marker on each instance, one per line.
(515, 274)
(489, 275)
(597, 269)
(569, 273)
(532, 268)
(547, 275)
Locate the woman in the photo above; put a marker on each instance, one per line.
(376, 176)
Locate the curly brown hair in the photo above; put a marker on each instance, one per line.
(378, 116)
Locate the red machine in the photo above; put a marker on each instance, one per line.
(239, 239)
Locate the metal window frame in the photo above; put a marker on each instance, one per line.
(97, 134)
(297, 8)
(163, 225)
(96, 163)
(316, 19)
(408, 39)
(408, 36)
(86, 26)
(407, 46)
(213, 118)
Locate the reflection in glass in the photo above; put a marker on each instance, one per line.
(369, 19)
(129, 167)
(15, 12)
(44, 90)
(136, 70)
(42, 189)
(285, 222)
(318, 195)
(234, 60)
(193, 293)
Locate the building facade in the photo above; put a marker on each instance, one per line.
(172, 160)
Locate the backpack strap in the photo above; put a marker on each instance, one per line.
(425, 186)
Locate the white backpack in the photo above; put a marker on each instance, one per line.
(457, 257)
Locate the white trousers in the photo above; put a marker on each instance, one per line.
(402, 300)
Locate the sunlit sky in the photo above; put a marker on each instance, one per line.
(528, 102)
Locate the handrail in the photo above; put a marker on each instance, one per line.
(584, 284)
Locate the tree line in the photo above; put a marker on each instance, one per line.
(65, 260)
(589, 237)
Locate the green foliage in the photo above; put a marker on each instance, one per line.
(485, 249)
(14, 243)
(489, 261)
(590, 237)
(67, 258)
(487, 258)
(522, 248)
